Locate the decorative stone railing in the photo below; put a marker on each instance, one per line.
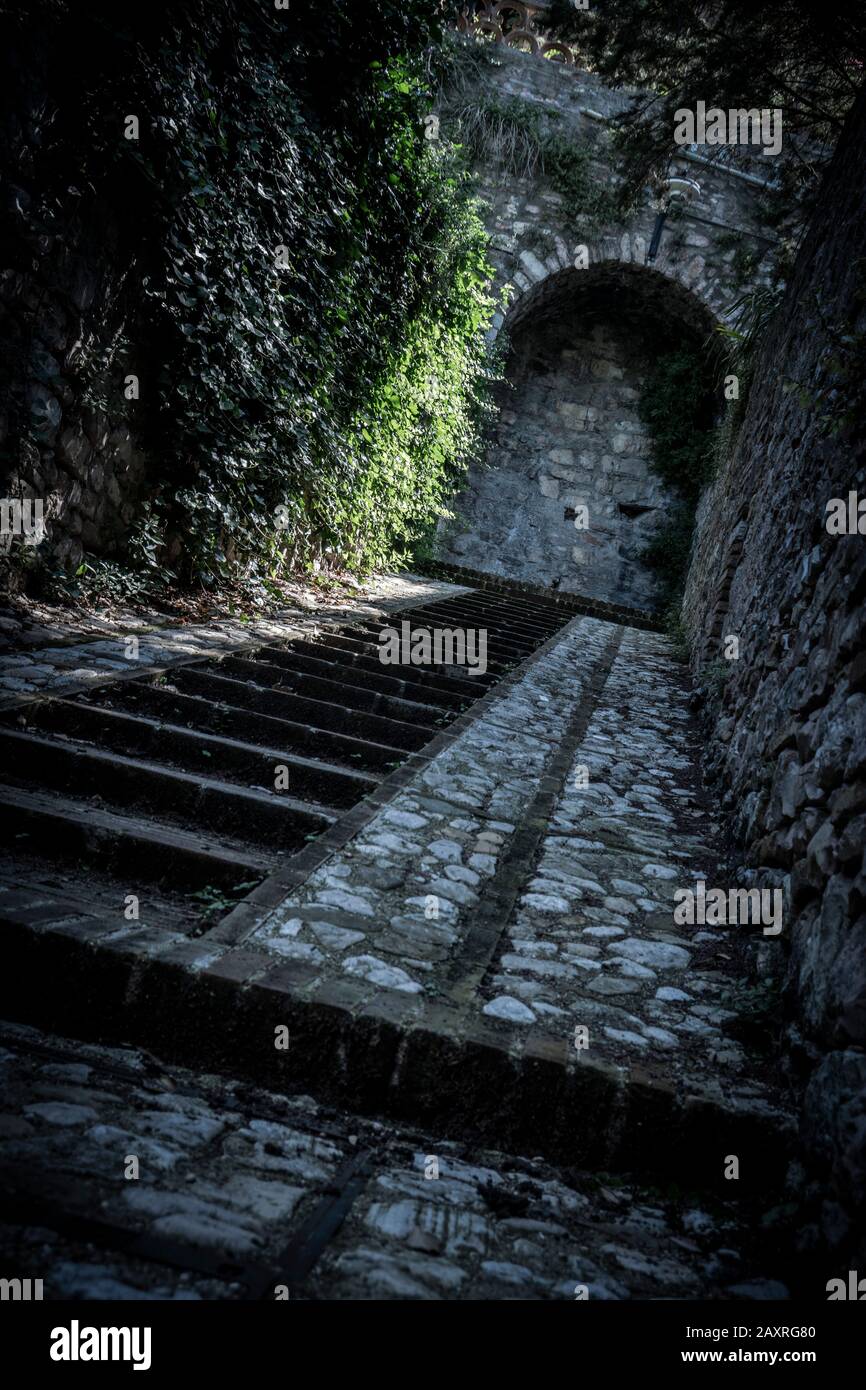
(518, 24)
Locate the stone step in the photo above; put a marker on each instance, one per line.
(572, 603)
(243, 1192)
(132, 848)
(231, 759)
(486, 947)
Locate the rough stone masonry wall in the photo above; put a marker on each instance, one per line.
(568, 432)
(568, 437)
(65, 298)
(789, 749)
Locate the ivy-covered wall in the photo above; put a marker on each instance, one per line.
(245, 296)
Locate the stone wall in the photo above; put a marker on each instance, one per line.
(788, 750)
(582, 340)
(569, 437)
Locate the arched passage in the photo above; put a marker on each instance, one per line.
(566, 497)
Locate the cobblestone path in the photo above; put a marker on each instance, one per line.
(460, 923)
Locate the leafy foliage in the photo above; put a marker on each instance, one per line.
(677, 408)
(751, 315)
(310, 271)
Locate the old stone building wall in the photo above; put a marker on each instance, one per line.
(788, 749)
(583, 339)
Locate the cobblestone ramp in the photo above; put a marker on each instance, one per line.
(483, 943)
(245, 1194)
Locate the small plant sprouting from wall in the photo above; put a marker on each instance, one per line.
(747, 257)
(520, 138)
(515, 137)
(677, 408)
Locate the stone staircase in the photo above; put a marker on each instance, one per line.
(453, 928)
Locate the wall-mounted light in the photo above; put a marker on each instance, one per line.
(673, 191)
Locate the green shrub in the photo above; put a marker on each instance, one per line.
(676, 408)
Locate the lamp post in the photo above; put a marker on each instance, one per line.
(673, 191)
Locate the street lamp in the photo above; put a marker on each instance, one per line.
(673, 191)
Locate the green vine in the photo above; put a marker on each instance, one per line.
(310, 272)
(522, 139)
(677, 408)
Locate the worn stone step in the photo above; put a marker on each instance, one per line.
(402, 681)
(364, 656)
(181, 748)
(195, 712)
(503, 639)
(284, 704)
(90, 889)
(122, 783)
(378, 1053)
(485, 583)
(520, 618)
(133, 848)
(516, 617)
(502, 653)
(424, 680)
(469, 612)
(342, 691)
(330, 1205)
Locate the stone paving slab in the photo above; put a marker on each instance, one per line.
(592, 941)
(241, 1194)
(65, 669)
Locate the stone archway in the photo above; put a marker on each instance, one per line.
(566, 497)
(698, 295)
(568, 432)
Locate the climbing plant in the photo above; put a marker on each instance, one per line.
(677, 408)
(518, 136)
(310, 269)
